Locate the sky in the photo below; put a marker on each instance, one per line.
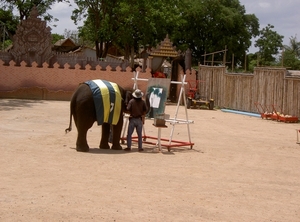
(63, 12)
(282, 14)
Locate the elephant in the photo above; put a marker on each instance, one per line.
(85, 112)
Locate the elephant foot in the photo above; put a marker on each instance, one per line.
(116, 147)
(82, 149)
(82, 146)
(104, 146)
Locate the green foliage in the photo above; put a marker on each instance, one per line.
(5, 44)
(146, 23)
(24, 7)
(100, 22)
(251, 62)
(294, 47)
(56, 37)
(125, 24)
(269, 43)
(8, 24)
(210, 25)
(290, 60)
(291, 54)
(202, 26)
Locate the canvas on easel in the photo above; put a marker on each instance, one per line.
(157, 89)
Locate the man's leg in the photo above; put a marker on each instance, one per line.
(139, 130)
(129, 134)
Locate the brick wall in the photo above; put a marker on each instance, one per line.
(59, 83)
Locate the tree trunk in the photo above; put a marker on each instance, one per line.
(97, 49)
(132, 57)
(127, 52)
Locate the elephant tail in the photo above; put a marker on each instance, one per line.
(69, 129)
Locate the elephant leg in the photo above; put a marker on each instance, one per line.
(84, 120)
(81, 143)
(83, 125)
(117, 130)
(105, 136)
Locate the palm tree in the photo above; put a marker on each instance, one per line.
(294, 47)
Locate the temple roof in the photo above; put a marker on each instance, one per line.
(165, 49)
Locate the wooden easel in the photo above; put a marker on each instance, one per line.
(173, 121)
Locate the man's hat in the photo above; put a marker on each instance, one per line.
(137, 94)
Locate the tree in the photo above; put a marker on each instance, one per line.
(290, 61)
(202, 26)
(99, 24)
(251, 61)
(291, 54)
(24, 7)
(210, 25)
(126, 24)
(74, 35)
(146, 23)
(56, 37)
(8, 23)
(294, 47)
(269, 44)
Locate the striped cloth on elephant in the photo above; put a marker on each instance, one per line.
(107, 98)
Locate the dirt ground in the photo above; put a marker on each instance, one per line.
(241, 168)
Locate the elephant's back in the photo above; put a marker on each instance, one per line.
(83, 100)
(82, 92)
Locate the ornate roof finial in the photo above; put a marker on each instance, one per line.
(165, 49)
(34, 12)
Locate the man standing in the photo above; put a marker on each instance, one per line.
(137, 108)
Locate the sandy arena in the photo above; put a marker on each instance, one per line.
(241, 168)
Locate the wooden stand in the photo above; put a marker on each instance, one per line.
(159, 135)
(173, 121)
(298, 131)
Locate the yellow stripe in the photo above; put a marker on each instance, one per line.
(105, 96)
(118, 102)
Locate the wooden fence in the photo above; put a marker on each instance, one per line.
(240, 91)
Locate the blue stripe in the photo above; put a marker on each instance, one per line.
(241, 112)
(98, 101)
(112, 98)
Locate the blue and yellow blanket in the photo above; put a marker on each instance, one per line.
(107, 99)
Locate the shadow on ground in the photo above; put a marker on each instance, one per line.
(13, 104)
(147, 150)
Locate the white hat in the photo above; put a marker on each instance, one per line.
(137, 93)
